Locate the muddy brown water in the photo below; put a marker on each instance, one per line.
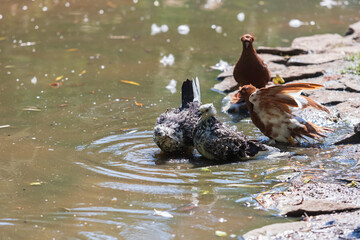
(78, 161)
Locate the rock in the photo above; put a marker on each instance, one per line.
(228, 73)
(312, 59)
(295, 73)
(272, 230)
(357, 128)
(281, 51)
(227, 85)
(354, 31)
(332, 226)
(314, 198)
(321, 43)
(353, 139)
(316, 207)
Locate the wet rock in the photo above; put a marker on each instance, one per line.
(321, 43)
(316, 207)
(281, 51)
(353, 139)
(313, 198)
(332, 226)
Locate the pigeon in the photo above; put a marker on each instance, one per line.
(217, 141)
(271, 111)
(173, 129)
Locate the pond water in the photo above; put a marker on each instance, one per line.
(78, 160)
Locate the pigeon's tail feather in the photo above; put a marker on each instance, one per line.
(196, 90)
(187, 95)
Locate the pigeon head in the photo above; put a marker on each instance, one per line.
(207, 111)
(247, 40)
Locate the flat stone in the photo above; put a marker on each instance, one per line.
(321, 43)
(312, 59)
(295, 73)
(268, 231)
(227, 85)
(316, 207)
(281, 51)
(347, 49)
(331, 226)
(225, 74)
(302, 198)
(354, 31)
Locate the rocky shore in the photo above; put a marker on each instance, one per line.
(328, 204)
(328, 59)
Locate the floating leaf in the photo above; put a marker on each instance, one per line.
(244, 185)
(9, 66)
(30, 108)
(56, 84)
(111, 4)
(4, 126)
(72, 50)
(162, 214)
(62, 105)
(59, 78)
(119, 37)
(35, 183)
(205, 169)
(130, 82)
(138, 104)
(66, 209)
(204, 192)
(2, 38)
(83, 72)
(220, 233)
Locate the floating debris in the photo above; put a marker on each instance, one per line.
(221, 66)
(72, 50)
(241, 17)
(220, 233)
(33, 80)
(183, 29)
(295, 23)
(4, 126)
(168, 60)
(56, 84)
(172, 86)
(59, 78)
(35, 183)
(217, 29)
(329, 3)
(120, 37)
(26, 44)
(130, 82)
(138, 104)
(155, 29)
(162, 214)
(31, 108)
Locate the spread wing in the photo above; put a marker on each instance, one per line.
(285, 96)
